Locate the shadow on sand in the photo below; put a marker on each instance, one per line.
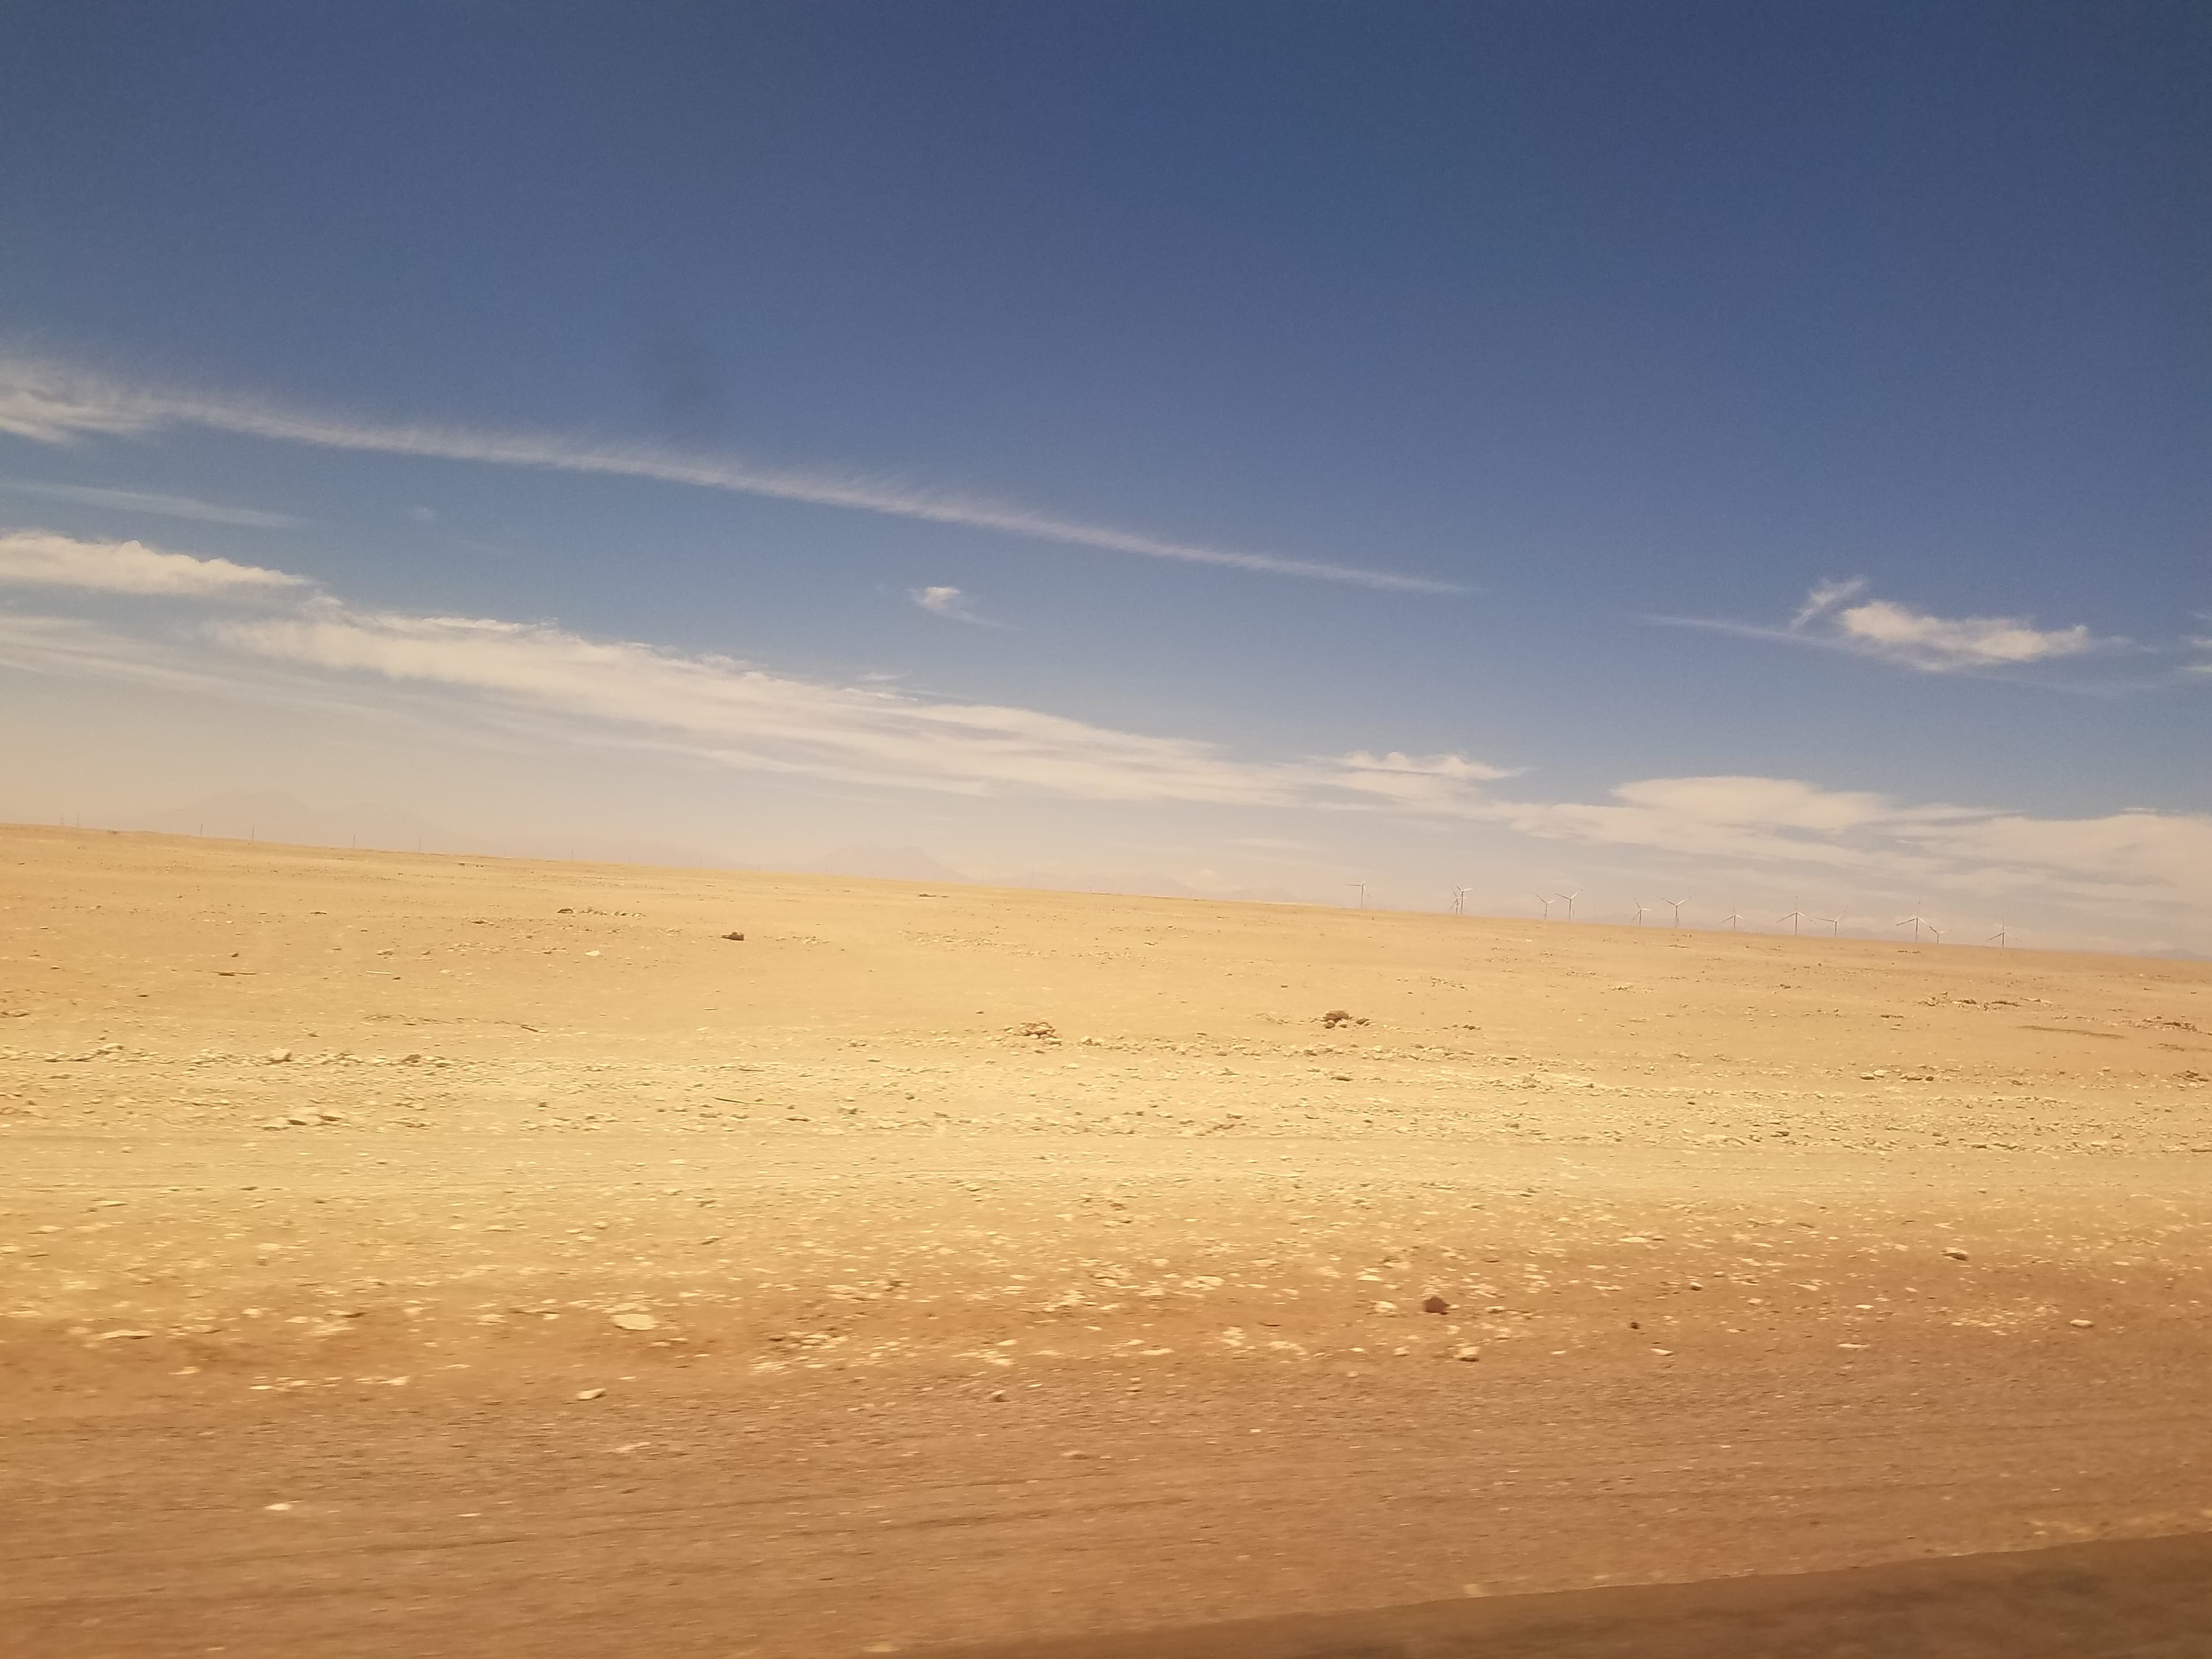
(2139, 1599)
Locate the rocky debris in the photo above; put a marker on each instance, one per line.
(1042, 1029)
(740, 937)
(1336, 1016)
(2082, 1324)
(637, 1322)
(1955, 1253)
(1436, 1304)
(589, 1394)
(1467, 1354)
(277, 1056)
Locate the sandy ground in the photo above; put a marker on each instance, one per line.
(441, 1255)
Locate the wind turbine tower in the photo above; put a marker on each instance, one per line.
(1568, 899)
(1640, 908)
(1676, 906)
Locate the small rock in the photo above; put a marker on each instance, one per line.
(1386, 1307)
(1336, 1016)
(298, 1120)
(276, 1123)
(1043, 1029)
(738, 937)
(1436, 1304)
(637, 1322)
(1664, 1354)
(591, 953)
(276, 1508)
(1955, 1253)
(2082, 1324)
(589, 1394)
(567, 910)
(278, 1056)
(1467, 1355)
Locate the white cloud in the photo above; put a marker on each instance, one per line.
(2148, 860)
(40, 558)
(949, 603)
(2151, 868)
(747, 716)
(54, 402)
(1899, 634)
(1883, 628)
(139, 500)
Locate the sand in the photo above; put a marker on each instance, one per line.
(426, 1254)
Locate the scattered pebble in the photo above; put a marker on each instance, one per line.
(1436, 1304)
(589, 1394)
(637, 1322)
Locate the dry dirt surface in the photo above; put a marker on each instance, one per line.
(414, 1255)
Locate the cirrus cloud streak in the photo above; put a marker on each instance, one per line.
(55, 402)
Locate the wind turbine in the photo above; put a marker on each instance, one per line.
(1834, 922)
(1938, 932)
(1459, 901)
(1640, 908)
(1915, 923)
(1568, 899)
(1795, 918)
(1362, 886)
(1676, 905)
(1734, 920)
(1547, 904)
(1996, 939)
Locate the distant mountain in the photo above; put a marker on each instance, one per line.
(883, 863)
(279, 817)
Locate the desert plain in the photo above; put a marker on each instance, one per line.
(425, 1255)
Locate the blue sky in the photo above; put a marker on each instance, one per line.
(1754, 451)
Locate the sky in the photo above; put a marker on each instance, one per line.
(1744, 454)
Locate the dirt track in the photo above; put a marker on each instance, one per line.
(437, 1255)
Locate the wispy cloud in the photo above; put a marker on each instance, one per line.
(951, 603)
(1897, 634)
(2149, 861)
(139, 500)
(40, 558)
(54, 402)
(2152, 866)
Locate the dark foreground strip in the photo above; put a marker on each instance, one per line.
(2139, 1599)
